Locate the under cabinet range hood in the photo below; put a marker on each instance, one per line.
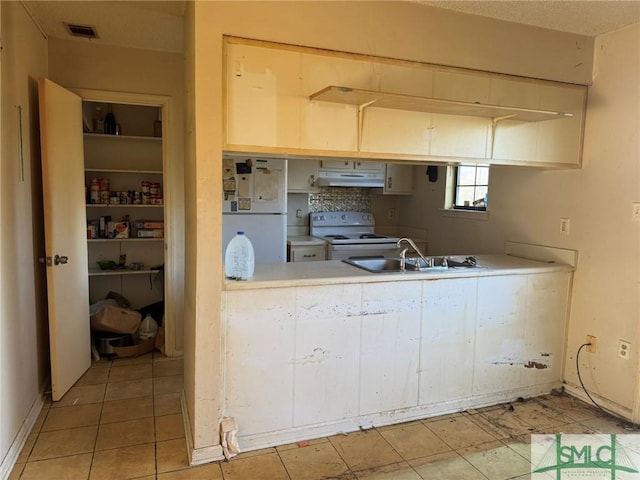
(337, 178)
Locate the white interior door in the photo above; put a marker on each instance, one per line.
(65, 234)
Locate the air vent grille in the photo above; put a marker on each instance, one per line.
(84, 31)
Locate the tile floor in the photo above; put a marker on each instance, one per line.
(122, 420)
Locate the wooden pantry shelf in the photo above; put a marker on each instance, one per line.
(112, 170)
(132, 239)
(96, 272)
(121, 138)
(369, 98)
(121, 205)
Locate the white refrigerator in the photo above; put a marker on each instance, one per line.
(255, 202)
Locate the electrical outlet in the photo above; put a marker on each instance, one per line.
(635, 212)
(565, 223)
(624, 349)
(592, 340)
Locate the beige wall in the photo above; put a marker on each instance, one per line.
(86, 65)
(526, 206)
(24, 354)
(392, 29)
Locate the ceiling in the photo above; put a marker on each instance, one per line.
(590, 18)
(158, 25)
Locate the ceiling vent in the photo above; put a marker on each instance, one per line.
(84, 31)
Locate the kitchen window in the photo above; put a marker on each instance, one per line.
(467, 190)
(472, 187)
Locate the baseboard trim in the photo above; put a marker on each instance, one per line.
(197, 456)
(249, 442)
(9, 460)
(611, 407)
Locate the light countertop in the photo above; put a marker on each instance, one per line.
(304, 240)
(337, 272)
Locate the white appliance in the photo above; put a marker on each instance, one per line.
(351, 234)
(255, 202)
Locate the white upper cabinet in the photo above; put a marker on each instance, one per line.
(351, 165)
(331, 126)
(397, 131)
(302, 175)
(513, 139)
(310, 102)
(398, 179)
(560, 141)
(557, 141)
(460, 135)
(263, 96)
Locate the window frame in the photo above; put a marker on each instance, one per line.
(449, 209)
(456, 186)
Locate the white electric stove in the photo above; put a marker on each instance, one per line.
(351, 234)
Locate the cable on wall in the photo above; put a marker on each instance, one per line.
(580, 377)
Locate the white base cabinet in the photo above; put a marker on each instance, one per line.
(309, 361)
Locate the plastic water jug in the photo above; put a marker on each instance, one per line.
(239, 261)
(148, 328)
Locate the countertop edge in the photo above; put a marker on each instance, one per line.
(334, 272)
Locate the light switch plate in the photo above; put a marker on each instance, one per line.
(635, 212)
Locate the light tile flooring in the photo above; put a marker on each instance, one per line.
(122, 420)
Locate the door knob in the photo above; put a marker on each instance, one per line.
(57, 260)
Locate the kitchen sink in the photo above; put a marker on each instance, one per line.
(375, 265)
(392, 265)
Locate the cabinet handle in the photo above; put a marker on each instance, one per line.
(312, 180)
(389, 182)
(309, 255)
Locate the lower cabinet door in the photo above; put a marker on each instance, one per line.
(447, 344)
(390, 349)
(307, 254)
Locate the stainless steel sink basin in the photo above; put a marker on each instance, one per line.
(391, 265)
(375, 265)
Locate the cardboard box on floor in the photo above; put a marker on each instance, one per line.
(143, 347)
(112, 318)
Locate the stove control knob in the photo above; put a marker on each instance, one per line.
(344, 217)
(365, 217)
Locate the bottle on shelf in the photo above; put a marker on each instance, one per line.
(98, 120)
(239, 260)
(110, 122)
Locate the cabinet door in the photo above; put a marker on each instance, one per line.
(456, 135)
(500, 344)
(560, 141)
(398, 179)
(448, 330)
(514, 140)
(331, 126)
(308, 254)
(327, 355)
(368, 166)
(336, 164)
(398, 131)
(263, 96)
(390, 346)
(302, 175)
(547, 307)
(259, 349)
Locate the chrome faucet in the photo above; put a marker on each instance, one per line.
(403, 253)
